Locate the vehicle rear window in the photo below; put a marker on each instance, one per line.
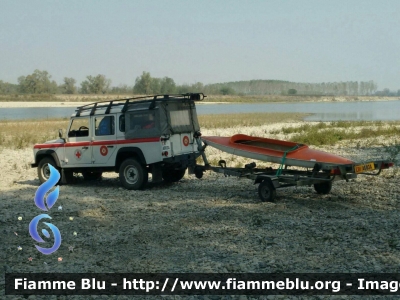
(180, 118)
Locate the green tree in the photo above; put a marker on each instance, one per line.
(155, 86)
(168, 86)
(121, 89)
(226, 90)
(8, 88)
(183, 89)
(37, 83)
(69, 86)
(292, 91)
(197, 87)
(95, 85)
(143, 84)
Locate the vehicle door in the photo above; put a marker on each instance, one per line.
(78, 149)
(104, 140)
(182, 139)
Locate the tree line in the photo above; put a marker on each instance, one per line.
(40, 82)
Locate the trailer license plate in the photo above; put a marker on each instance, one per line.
(366, 167)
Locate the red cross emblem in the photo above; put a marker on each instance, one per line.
(78, 154)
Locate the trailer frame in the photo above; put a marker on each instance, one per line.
(269, 179)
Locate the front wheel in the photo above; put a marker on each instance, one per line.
(133, 175)
(44, 169)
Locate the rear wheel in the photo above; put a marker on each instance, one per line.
(172, 175)
(266, 191)
(323, 187)
(92, 175)
(68, 177)
(198, 173)
(44, 169)
(133, 175)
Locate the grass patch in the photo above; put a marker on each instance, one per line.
(26, 133)
(329, 134)
(22, 134)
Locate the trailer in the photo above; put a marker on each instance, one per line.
(320, 176)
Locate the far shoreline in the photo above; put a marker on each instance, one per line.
(19, 101)
(53, 104)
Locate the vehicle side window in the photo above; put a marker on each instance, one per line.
(142, 124)
(122, 123)
(105, 125)
(144, 120)
(79, 127)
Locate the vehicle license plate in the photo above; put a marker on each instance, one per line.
(363, 168)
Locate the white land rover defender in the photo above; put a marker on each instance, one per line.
(134, 137)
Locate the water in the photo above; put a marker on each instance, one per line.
(322, 111)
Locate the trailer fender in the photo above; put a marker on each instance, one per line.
(273, 180)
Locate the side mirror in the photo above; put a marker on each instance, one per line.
(60, 133)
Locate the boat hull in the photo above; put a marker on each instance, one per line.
(273, 151)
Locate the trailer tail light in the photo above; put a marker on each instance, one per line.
(387, 165)
(335, 171)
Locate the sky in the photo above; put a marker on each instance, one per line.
(203, 41)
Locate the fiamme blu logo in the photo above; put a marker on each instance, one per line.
(50, 200)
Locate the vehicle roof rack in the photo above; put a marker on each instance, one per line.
(109, 104)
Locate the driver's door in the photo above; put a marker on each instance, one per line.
(78, 149)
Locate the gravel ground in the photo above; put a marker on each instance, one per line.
(216, 224)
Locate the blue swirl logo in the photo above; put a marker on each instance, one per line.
(40, 203)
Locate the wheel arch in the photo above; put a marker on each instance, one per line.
(129, 152)
(44, 153)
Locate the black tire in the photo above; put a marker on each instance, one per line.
(92, 175)
(323, 187)
(266, 191)
(69, 177)
(43, 168)
(133, 175)
(199, 173)
(172, 175)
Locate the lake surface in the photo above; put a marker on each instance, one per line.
(322, 111)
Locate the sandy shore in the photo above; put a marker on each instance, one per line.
(216, 224)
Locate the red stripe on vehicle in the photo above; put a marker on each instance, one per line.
(98, 143)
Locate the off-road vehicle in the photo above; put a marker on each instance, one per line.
(157, 134)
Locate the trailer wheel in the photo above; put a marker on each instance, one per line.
(133, 175)
(266, 191)
(323, 187)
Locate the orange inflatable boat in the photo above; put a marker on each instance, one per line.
(274, 151)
